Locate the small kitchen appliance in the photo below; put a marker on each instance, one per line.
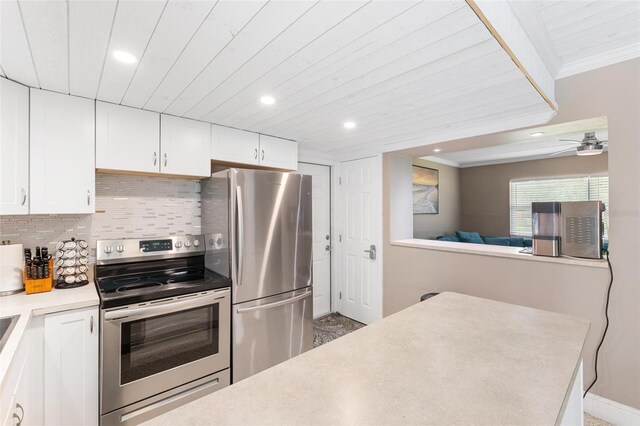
(165, 326)
(582, 229)
(546, 223)
(11, 268)
(257, 227)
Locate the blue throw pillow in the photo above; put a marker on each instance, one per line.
(470, 237)
(451, 238)
(496, 241)
(528, 242)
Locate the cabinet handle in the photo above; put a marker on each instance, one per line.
(165, 159)
(155, 158)
(21, 417)
(255, 154)
(262, 155)
(91, 324)
(24, 196)
(88, 197)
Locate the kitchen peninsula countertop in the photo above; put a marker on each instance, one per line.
(453, 359)
(30, 305)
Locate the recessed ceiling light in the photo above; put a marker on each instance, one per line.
(437, 150)
(267, 100)
(349, 124)
(125, 57)
(536, 134)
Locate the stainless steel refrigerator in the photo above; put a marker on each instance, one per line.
(259, 233)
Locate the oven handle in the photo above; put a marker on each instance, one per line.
(165, 308)
(274, 304)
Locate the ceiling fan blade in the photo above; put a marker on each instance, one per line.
(569, 140)
(560, 152)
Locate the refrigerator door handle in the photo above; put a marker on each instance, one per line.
(240, 230)
(275, 304)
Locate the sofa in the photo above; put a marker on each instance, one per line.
(476, 238)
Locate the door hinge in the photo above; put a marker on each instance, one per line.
(340, 295)
(339, 181)
(340, 238)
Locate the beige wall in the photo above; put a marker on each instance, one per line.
(448, 218)
(485, 190)
(614, 92)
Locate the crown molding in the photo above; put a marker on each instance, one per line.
(611, 57)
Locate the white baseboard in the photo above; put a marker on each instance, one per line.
(611, 411)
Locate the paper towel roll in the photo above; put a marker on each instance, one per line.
(11, 267)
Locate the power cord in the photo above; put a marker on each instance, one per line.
(606, 327)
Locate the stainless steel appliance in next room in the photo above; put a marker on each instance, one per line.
(165, 327)
(257, 226)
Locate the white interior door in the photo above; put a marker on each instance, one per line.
(321, 202)
(360, 214)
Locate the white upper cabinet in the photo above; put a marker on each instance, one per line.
(234, 146)
(127, 139)
(14, 148)
(185, 147)
(62, 153)
(278, 153)
(241, 147)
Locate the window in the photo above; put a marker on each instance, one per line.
(577, 188)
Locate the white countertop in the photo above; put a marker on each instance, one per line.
(30, 305)
(453, 359)
(493, 250)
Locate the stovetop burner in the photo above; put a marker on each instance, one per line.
(125, 284)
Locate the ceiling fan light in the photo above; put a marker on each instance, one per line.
(585, 150)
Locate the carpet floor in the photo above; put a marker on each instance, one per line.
(333, 326)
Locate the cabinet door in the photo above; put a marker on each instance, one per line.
(185, 146)
(14, 148)
(127, 139)
(278, 153)
(71, 367)
(62, 153)
(234, 146)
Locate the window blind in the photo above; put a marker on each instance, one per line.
(576, 188)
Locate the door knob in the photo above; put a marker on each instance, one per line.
(327, 247)
(371, 251)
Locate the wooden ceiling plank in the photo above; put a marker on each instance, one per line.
(89, 29)
(401, 26)
(15, 53)
(226, 21)
(46, 27)
(133, 27)
(273, 18)
(365, 22)
(512, 95)
(303, 32)
(178, 25)
(438, 89)
(395, 60)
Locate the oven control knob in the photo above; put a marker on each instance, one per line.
(187, 244)
(178, 244)
(108, 249)
(196, 243)
(119, 249)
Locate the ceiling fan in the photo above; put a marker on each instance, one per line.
(590, 145)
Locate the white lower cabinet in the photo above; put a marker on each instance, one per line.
(21, 399)
(71, 367)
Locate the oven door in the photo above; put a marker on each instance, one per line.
(155, 346)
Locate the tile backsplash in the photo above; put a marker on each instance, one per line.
(127, 206)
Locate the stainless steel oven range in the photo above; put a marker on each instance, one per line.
(165, 327)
